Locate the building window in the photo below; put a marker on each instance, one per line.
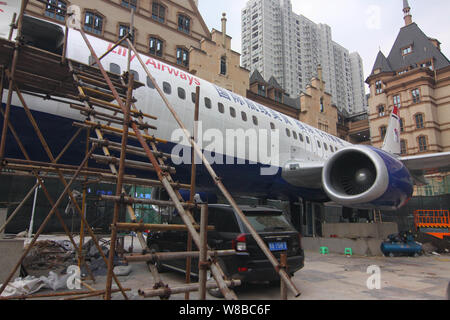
(378, 87)
(261, 90)
(124, 30)
(419, 121)
(423, 145)
(383, 130)
(322, 108)
(416, 95)
(131, 4)
(403, 147)
(223, 65)
(184, 23)
(158, 12)
(407, 50)
(402, 125)
(56, 9)
(93, 23)
(182, 57)
(278, 96)
(381, 111)
(156, 46)
(397, 101)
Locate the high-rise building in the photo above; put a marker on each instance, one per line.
(280, 43)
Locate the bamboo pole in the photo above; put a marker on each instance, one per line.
(118, 205)
(202, 263)
(219, 184)
(47, 219)
(165, 292)
(218, 275)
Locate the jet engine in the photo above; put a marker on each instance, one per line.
(364, 177)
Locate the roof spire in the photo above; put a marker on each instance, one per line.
(407, 13)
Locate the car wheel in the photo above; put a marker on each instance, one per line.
(159, 266)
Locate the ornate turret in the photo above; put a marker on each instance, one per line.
(407, 13)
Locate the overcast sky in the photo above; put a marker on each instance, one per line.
(364, 26)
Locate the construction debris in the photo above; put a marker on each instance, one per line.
(31, 284)
(59, 255)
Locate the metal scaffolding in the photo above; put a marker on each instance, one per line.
(106, 101)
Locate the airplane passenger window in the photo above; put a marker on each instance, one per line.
(294, 134)
(325, 146)
(150, 83)
(244, 116)
(318, 144)
(114, 68)
(255, 120)
(331, 148)
(167, 88)
(181, 93)
(208, 103)
(307, 140)
(288, 133)
(135, 74)
(221, 108)
(272, 126)
(233, 112)
(301, 137)
(193, 97)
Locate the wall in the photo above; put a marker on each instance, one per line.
(361, 247)
(10, 253)
(359, 230)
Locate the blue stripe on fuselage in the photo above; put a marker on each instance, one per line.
(242, 179)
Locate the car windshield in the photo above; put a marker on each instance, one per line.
(266, 221)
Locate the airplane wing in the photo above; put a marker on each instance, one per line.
(418, 166)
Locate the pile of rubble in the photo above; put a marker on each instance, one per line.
(59, 255)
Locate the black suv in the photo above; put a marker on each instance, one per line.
(250, 263)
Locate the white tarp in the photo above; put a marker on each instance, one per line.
(7, 10)
(30, 284)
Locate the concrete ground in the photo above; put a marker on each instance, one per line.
(325, 277)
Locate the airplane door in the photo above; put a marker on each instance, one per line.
(296, 153)
(309, 147)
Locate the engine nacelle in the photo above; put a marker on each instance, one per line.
(364, 177)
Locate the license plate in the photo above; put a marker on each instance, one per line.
(278, 246)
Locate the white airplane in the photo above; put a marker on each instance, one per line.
(308, 162)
